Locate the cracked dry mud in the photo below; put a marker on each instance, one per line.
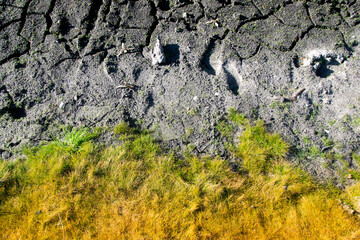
(61, 62)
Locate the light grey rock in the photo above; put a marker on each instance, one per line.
(158, 55)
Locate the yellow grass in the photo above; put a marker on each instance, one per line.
(132, 191)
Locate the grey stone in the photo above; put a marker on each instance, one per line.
(158, 55)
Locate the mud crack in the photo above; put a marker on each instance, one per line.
(90, 20)
(48, 19)
(153, 26)
(23, 16)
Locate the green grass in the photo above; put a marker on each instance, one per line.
(260, 150)
(74, 137)
(74, 188)
(225, 129)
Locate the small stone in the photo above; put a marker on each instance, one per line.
(158, 55)
(61, 105)
(217, 94)
(195, 98)
(6, 155)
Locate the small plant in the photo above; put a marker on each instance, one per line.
(356, 158)
(331, 122)
(356, 121)
(189, 132)
(355, 173)
(259, 149)
(347, 118)
(75, 137)
(328, 142)
(123, 129)
(225, 129)
(193, 111)
(314, 111)
(238, 118)
(138, 144)
(284, 106)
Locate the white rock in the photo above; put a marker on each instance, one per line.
(61, 105)
(158, 56)
(318, 54)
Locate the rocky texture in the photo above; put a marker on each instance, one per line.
(61, 62)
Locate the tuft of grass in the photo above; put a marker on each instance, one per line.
(238, 118)
(135, 191)
(355, 174)
(123, 129)
(226, 130)
(260, 150)
(73, 138)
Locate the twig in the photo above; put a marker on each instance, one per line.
(62, 226)
(293, 97)
(298, 93)
(348, 209)
(327, 147)
(124, 49)
(214, 21)
(126, 85)
(204, 147)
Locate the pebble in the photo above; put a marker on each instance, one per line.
(61, 105)
(158, 55)
(5, 155)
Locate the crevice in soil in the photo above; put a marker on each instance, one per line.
(90, 20)
(298, 38)
(16, 112)
(262, 17)
(23, 16)
(63, 60)
(48, 19)
(5, 25)
(107, 8)
(257, 8)
(16, 54)
(153, 25)
(308, 14)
